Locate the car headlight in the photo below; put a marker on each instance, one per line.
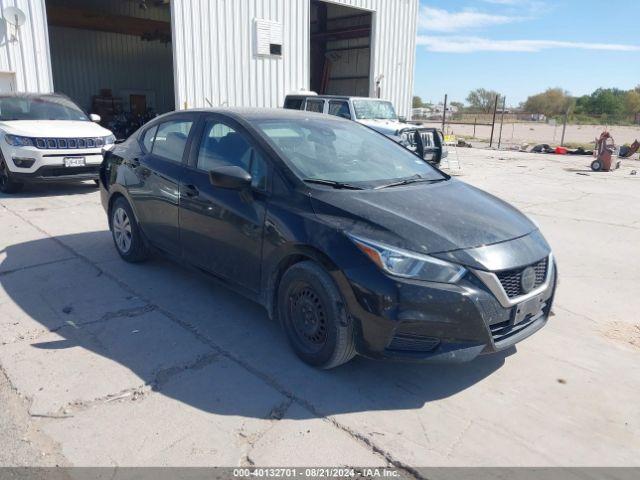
(110, 140)
(403, 263)
(18, 141)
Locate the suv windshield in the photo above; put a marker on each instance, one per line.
(344, 152)
(374, 110)
(39, 108)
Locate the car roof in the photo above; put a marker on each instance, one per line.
(251, 114)
(332, 97)
(31, 95)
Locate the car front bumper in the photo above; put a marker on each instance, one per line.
(31, 164)
(431, 322)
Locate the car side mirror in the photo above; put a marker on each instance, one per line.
(231, 177)
(95, 118)
(402, 119)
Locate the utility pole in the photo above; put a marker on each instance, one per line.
(493, 123)
(564, 127)
(504, 106)
(444, 112)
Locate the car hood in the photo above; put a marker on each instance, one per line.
(428, 218)
(54, 128)
(386, 127)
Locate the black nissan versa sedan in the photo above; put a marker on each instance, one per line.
(354, 243)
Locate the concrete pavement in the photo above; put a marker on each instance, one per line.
(107, 363)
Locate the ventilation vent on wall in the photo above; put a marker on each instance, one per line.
(268, 37)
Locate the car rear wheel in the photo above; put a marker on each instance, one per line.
(314, 316)
(126, 233)
(7, 184)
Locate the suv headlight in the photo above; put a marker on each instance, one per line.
(18, 141)
(403, 263)
(110, 140)
(408, 139)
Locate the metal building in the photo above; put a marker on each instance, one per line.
(138, 55)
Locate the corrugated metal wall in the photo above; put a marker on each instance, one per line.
(28, 54)
(216, 66)
(85, 61)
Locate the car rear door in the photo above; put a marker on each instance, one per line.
(221, 229)
(159, 171)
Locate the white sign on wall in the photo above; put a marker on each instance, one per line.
(268, 35)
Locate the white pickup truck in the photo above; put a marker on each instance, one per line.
(377, 114)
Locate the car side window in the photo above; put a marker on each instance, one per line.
(315, 106)
(339, 108)
(293, 103)
(222, 146)
(171, 139)
(148, 137)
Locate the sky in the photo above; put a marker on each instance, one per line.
(523, 47)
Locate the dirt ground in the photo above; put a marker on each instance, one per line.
(535, 133)
(112, 364)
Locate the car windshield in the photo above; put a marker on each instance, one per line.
(39, 108)
(374, 110)
(345, 152)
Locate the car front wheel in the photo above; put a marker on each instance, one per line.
(7, 184)
(126, 233)
(314, 316)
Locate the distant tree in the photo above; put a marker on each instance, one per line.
(632, 102)
(458, 105)
(607, 101)
(482, 100)
(417, 102)
(552, 102)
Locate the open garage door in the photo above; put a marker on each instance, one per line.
(340, 50)
(113, 58)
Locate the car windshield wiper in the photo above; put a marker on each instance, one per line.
(332, 183)
(407, 181)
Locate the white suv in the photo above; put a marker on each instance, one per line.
(47, 137)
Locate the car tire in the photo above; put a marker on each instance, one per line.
(126, 233)
(7, 184)
(314, 316)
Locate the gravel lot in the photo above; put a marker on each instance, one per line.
(105, 363)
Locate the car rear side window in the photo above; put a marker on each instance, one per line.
(315, 106)
(339, 108)
(171, 139)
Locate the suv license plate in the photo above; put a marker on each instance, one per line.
(74, 161)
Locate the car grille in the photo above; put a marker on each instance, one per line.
(68, 171)
(503, 330)
(413, 343)
(427, 139)
(68, 143)
(510, 279)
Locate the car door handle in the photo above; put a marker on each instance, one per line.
(190, 191)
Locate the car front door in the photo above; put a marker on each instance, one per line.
(221, 229)
(160, 170)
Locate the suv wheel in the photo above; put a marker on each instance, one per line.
(126, 233)
(314, 316)
(7, 185)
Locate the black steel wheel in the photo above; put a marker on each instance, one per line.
(314, 316)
